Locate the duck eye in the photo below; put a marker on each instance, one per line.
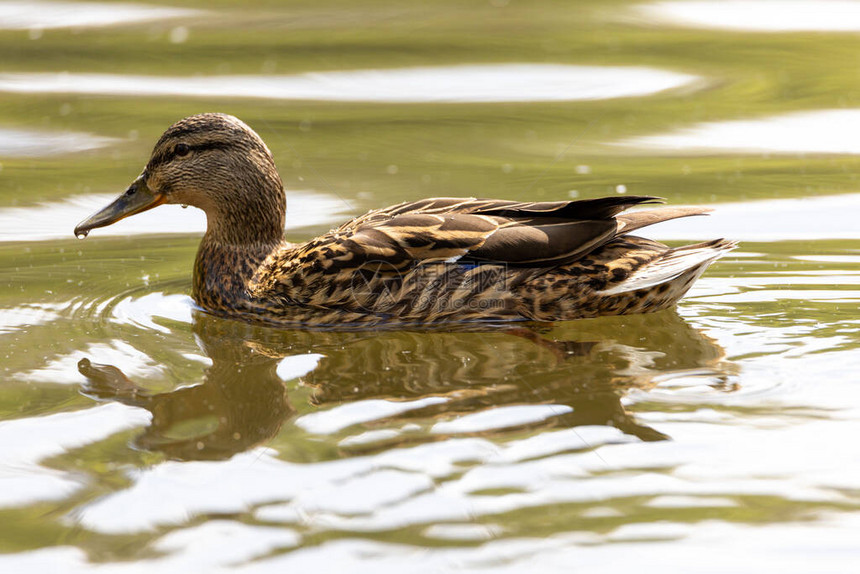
(181, 149)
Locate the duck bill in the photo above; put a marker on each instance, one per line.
(136, 199)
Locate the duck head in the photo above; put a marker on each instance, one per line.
(214, 162)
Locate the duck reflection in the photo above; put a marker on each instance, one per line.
(241, 402)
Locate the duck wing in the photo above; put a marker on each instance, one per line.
(536, 234)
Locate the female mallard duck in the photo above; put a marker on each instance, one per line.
(427, 261)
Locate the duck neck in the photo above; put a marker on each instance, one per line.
(222, 272)
(240, 218)
(239, 237)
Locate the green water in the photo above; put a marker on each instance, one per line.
(718, 437)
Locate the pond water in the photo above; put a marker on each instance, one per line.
(718, 437)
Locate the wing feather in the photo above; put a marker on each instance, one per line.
(540, 234)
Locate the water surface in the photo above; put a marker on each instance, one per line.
(645, 442)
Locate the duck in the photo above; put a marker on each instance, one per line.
(426, 262)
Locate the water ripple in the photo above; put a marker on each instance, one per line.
(33, 143)
(801, 219)
(36, 14)
(759, 15)
(27, 442)
(819, 131)
(454, 84)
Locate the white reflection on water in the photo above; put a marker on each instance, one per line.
(759, 15)
(451, 84)
(828, 259)
(13, 318)
(691, 502)
(220, 543)
(296, 366)
(820, 131)
(782, 548)
(825, 217)
(56, 220)
(33, 143)
(358, 495)
(841, 296)
(500, 417)
(142, 311)
(828, 544)
(34, 14)
(348, 414)
(172, 491)
(26, 442)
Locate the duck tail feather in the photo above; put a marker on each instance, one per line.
(673, 264)
(632, 220)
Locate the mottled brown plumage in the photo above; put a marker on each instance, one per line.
(428, 261)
